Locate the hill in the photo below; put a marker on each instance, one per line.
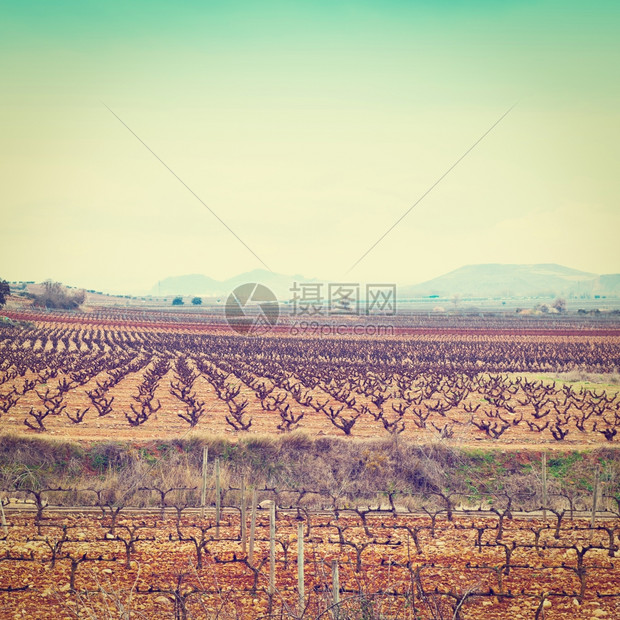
(497, 280)
(472, 281)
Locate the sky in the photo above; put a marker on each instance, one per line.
(309, 129)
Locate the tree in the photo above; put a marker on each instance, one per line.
(560, 304)
(197, 301)
(5, 291)
(178, 301)
(56, 295)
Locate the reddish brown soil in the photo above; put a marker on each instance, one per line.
(448, 559)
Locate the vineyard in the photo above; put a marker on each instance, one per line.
(153, 465)
(84, 382)
(314, 558)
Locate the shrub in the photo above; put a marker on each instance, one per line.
(56, 295)
(559, 304)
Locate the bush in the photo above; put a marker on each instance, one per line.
(178, 301)
(559, 304)
(197, 301)
(56, 295)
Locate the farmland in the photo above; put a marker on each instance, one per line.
(405, 566)
(457, 468)
(157, 379)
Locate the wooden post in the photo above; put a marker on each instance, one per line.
(597, 479)
(244, 524)
(218, 497)
(300, 569)
(544, 485)
(336, 588)
(4, 525)
(203, 492)
(252, 528)
(272, 548)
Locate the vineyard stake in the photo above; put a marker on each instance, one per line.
(4, 526)
(272, 548)
(597, 477)
(544, 485)
(218, 497)
(252, 528)
(244, 525)
(300, 568)
(203, 493)
(336, 588)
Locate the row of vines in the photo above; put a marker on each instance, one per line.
(469, 387)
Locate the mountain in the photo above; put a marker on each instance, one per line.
(497, 280)
(477, 281)
(204, 286)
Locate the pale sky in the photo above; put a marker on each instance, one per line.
(309, 128)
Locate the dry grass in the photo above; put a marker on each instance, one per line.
(579, 377)
(353, 471)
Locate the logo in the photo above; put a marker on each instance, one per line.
(252, 309)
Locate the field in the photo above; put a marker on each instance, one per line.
(397, 567)
(93, 375)
(454, 468)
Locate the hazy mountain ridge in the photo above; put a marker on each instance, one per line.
(499, 280)
(486, 280)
